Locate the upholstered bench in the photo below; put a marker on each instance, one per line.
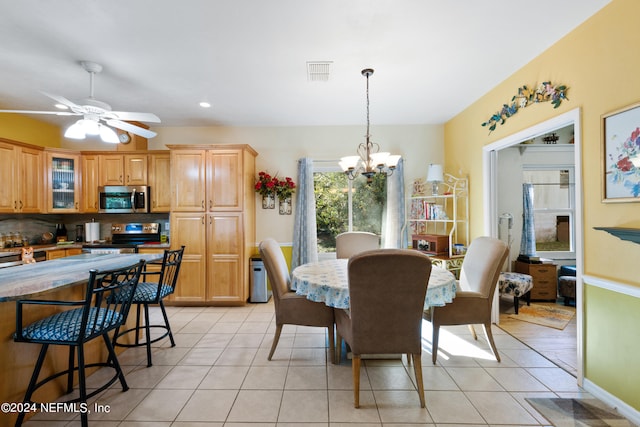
(518, 285)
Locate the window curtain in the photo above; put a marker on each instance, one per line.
(305, 240)
(528, 242)
(394, 216)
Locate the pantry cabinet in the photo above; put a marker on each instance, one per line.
(21, 172)
(213, 214)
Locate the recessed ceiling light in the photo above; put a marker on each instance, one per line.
(61, 106)
(205, 104)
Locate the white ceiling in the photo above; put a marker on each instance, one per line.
(432, 58)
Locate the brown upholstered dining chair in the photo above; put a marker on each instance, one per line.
(292, 309)
(472, 305)
(387, 289)
(354, 242)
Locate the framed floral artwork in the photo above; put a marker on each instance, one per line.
(621, 159)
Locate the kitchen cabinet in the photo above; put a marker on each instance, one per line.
(123, 169)
(21, 172)
(160, 181)
(62, 253)
(188, 180)
(544, 276)
(213, 215)
(90, 183)
(189, 229)
(63, 182)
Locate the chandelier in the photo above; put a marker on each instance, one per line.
(369, 160)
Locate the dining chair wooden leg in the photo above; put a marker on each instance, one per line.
(489, 334)
(409, 357)
(473, 332)
(417, 369)
(276, 338)
(355, 367)
(332, 346)
(434, 343)
(338, 348)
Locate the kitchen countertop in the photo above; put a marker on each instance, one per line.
(29, 280)
(52, 247)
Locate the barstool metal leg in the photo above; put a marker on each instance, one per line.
(166, 323)
(33, 381)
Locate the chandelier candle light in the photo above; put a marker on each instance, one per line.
(369, 160)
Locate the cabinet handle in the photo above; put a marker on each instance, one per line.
(210, 221)
(203, 204)
(120, 179)
(76, 205)
(128, 179)
(202, 220)
(210, 204)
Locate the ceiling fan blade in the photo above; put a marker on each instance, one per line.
(136, 130)
(57, 113)
(64, 101)
(134, 117)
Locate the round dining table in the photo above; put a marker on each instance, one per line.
(328, 281)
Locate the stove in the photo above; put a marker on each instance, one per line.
(126, 237)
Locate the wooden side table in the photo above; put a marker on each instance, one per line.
(544, 279)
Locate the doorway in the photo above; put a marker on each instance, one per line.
(491, 203)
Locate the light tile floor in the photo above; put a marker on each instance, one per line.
(219, 375)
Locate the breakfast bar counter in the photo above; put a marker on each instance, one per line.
(29, 280)
(59, 279)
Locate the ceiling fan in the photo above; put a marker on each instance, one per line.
(94, 112)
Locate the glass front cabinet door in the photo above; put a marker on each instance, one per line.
(63, 182)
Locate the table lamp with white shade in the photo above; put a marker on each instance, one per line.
(435, 177)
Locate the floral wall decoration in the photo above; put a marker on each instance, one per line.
(545, 92)
(270, 186)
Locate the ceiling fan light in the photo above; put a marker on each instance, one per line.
(75, 131)
(108, 135)
(91, 127)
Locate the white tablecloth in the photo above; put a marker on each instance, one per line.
(327, 281)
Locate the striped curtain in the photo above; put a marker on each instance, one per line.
(305, 239)
(528, 242)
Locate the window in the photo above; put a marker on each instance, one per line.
(345, 205)
(553, 206)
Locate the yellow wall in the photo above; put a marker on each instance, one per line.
(32, 131)
(598, 61)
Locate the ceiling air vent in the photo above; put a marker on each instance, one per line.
(318, 71)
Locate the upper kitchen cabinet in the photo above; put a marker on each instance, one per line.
(63, 182)
(160, 181)
(123, 169)
(90, 180)
(21, 172)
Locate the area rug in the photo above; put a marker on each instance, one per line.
(551, 315)
(577, 412)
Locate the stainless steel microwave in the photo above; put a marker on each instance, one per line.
(123, 199)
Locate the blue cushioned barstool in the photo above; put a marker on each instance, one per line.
(104, 309)
(152, 292)
(518, 285)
